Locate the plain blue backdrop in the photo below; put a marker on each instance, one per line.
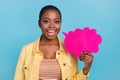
(18, 26)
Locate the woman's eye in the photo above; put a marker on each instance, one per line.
(45, 21)
(57, 21)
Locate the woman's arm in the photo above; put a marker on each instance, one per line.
(87, 58)
(19, 74)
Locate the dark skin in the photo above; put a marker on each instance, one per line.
(48, 48)
(87, 58)
(50, 24)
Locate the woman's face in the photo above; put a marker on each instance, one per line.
(50, 23)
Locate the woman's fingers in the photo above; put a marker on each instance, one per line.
(86, 53)
(86, 56)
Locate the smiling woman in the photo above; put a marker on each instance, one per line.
(46, 58)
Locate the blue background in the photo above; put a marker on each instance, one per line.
(18, 26)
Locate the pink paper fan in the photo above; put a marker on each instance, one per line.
(82, 40)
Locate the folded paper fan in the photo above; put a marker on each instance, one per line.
(82, 40)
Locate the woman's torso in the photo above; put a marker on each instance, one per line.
(49, 69)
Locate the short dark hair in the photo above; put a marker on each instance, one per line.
(47, 8)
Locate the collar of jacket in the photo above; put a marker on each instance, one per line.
(36, 46)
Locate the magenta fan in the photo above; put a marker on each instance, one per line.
(82, 40)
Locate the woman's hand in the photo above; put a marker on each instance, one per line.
(87, 58)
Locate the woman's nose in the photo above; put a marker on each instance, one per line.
(51, 24)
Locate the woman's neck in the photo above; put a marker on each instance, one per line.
(45, 41)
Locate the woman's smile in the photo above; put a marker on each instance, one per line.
(51, 32)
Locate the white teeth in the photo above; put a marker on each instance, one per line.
(51, 31)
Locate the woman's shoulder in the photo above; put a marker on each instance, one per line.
(31, 45)
(28, 45)
(61, 42)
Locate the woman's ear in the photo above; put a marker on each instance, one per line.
(39, 23)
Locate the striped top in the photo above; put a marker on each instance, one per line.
(49, 70)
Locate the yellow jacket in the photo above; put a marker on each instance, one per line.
(30, 58)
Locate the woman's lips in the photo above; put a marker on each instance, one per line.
(51, 32)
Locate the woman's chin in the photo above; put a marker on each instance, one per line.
(51, 37)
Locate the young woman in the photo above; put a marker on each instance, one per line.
(46, 58)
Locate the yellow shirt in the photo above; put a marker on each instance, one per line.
(28, 64)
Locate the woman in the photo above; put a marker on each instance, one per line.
(46, 58)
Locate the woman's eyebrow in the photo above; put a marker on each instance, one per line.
(49, 18)
(45, 18)
(57, 19)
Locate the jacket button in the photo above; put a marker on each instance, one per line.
(58, 53)
(25, 67)
(64, 64)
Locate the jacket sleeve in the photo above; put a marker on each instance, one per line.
(75, 74)
(79, 76)
(19, 73)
